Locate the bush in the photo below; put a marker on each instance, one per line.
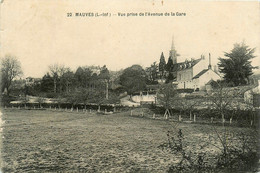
(233, 158)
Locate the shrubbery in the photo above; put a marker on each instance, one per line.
(233, 158)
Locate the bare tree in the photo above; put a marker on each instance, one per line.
(223, 99)
(10, 69)
(56, 70)
(165, 96)
(186, 105)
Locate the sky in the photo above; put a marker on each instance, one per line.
(39, 33)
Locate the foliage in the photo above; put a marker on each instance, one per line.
(239, 154)
(237, 66)
(222, 99)
(186, 105)
(166, 95)
(170, 78)
(67, 81)
(47, 83)
(169, 65)
(152, 72)
(189, 160)
(10, 69)
(133, 79)
(162, 65)
(242, 157)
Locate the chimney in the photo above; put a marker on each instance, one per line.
(209, 67)
(215, 68)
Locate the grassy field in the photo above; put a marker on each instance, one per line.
(52, 141)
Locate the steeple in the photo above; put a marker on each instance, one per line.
(173, 52)
(172, 48)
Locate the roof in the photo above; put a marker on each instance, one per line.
(210, 82)
(184, 65)
(200, 73)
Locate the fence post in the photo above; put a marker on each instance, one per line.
(131, 112)
(251, 122)
(71, 109)
(98, 108)
(77, 109)
(153, 116)
(211, 119)
(230, 121)
(114, 109)
(194, 118)
(179, 117)
(142, 114)
(50, 107)
(105, 111)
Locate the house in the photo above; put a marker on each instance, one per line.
(192, 74)
(251, 93)
(30, 81)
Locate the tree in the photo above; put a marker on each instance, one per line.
(47, 83)
(85, 95)
(166, 97)
(237, 66)
(186, 104)
(67, 79)
(222, 99)
(133, 79)
(10, 69)
(162, 65)
(56, 71)
(152, 72)
(169, 68)
(104, 76)
(169, 65)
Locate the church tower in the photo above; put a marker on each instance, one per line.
(173, 52)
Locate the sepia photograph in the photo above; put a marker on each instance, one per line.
(129, 86)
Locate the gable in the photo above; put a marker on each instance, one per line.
(200, 73)
(207, 73)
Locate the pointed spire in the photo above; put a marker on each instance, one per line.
(172, 48)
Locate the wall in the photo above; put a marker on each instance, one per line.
(143, 98)
(184, 78)
(248, 95)
(205, 78)
(203, 64)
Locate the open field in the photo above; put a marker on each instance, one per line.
(51, 141)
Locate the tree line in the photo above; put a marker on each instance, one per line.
(61, 81)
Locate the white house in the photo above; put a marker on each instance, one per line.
(192, 74)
